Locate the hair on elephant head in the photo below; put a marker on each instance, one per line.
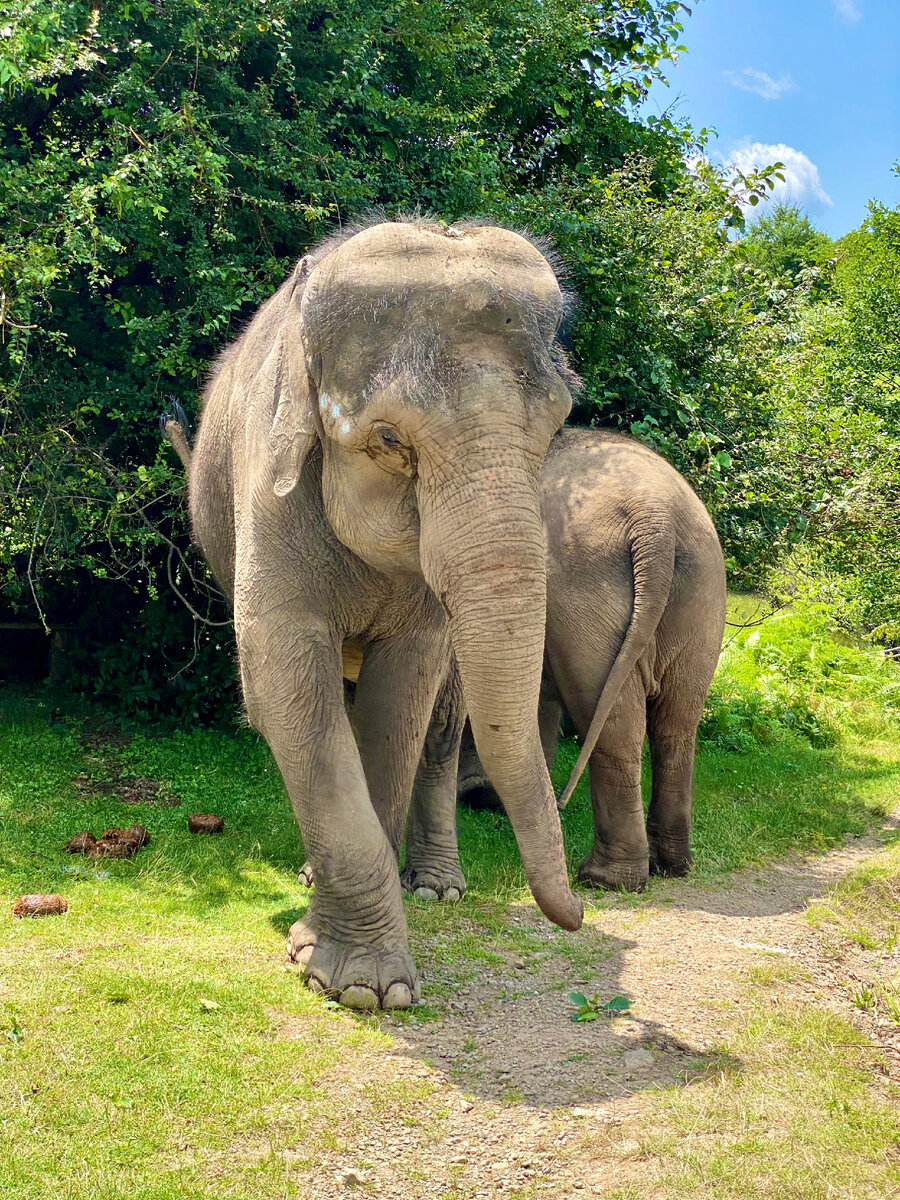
(412, 353)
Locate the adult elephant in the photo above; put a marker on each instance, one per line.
(366, 472)
(635, 615)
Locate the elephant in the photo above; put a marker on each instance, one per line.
(365, 481)
(635, 616)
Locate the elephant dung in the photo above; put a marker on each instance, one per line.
(117, 843)
(205, 823)
(41, 905)
(140, 835)
(81, 843)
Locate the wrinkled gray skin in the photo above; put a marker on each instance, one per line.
(366, 475)
(633, 558)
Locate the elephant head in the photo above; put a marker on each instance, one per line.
(424, 361)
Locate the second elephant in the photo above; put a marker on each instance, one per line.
(635, 586)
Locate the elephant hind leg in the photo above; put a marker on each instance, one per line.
(619, 855)
(672, 719)
(432, 870)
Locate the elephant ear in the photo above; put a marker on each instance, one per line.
(294, 430)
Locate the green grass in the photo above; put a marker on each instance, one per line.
(805, 1116)
(863, 912)
(116, 1081)
(800, 1119)
(864, 907)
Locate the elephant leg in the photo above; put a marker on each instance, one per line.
(395, 696)
(672, 720)
(432, 870)
(352, 942)
(550, 712)
(619, 856)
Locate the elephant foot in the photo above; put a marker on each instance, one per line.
(356, 976)
(597, 871)
(670, 859)
(433, 882)
(305, 875)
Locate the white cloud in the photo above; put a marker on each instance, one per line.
(801, 185)
(848, 10)
(760, 83)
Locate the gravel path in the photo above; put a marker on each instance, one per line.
(503, 1096)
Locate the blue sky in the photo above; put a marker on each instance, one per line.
(814, 83)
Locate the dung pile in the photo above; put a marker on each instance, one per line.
(112, 843)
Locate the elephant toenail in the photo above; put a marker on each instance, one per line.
(425, 893)
(357, 995)
(397, 996)
(303, 955)
(452, 893)
(315, 985)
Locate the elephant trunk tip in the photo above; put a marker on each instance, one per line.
(564, 910)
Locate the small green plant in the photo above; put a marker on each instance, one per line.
(590, 1010)
(14, 1030)
(865, 998)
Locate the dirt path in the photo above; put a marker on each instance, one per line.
(503, 1096)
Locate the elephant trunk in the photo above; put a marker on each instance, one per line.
(483, 554)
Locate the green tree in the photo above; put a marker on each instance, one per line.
(837, 449)
(161, 164)
(784, 243)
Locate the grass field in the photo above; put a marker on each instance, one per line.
(142, 1047)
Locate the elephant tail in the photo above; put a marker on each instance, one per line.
(174, 425)
(653, 568)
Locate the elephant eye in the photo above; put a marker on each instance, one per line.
(389, 439)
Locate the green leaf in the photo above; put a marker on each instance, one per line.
(578, 999)
(617, 1004)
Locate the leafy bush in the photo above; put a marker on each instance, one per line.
(793, 679)
(161, 165)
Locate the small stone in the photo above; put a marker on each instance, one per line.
(467, 1105)
(351, 1179)
(578, 1111)
(519, 964)
(639, 1060)
(459, 1160)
